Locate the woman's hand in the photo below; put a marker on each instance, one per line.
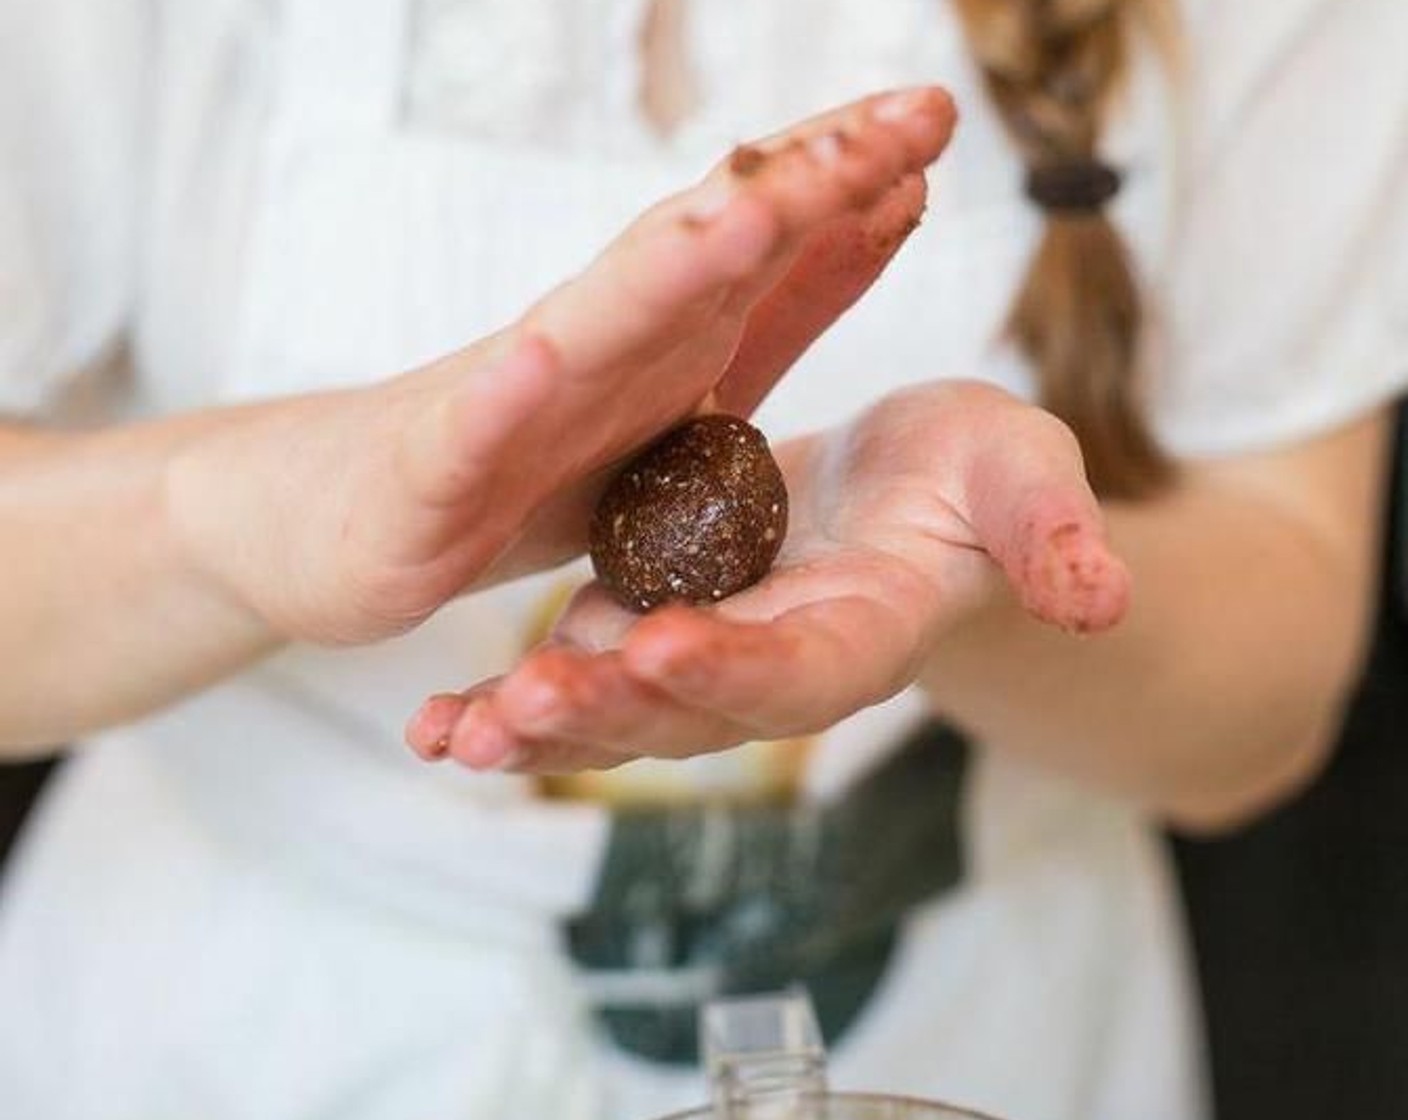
(352, 516)
(901, 525)
(147, 561)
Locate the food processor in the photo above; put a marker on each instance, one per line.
(765, 1060)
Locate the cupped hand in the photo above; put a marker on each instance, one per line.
(902, 524)
(352, 516)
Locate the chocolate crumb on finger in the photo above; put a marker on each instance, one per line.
(747, 160)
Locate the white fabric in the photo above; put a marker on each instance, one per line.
(69, 183)
(1287, 294)
(256, 905)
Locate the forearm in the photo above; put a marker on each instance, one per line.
(1221, 690)
(103, 615)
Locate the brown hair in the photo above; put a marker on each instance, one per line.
(1053, 68)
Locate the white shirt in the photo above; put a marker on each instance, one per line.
(257, 904)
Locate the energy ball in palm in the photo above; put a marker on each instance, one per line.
(695, 517)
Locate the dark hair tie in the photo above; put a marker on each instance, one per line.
(1078, 187)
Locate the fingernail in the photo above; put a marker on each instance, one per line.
(430, 752)
(427, 732)
(897, 106)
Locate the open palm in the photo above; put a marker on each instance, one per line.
(902, 524)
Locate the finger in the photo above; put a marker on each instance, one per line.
(1065, 571)
(835, 268)
(428, 731)
(663, 282)
(761, 200)
(1013, 476)
(546, 758)
(594, 619)
(570, 696)
(481, 741)
(917, 124)
(1031, 508)
(796, 674)
(678, 264)
(847, 167)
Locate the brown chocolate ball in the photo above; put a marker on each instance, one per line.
(695, 517)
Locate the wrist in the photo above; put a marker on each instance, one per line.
(202, 525)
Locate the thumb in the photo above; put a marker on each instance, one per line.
(1024, 492)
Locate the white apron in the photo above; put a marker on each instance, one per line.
(260, 906)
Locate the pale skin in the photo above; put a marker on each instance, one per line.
(1218, 696)
(146, 562)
